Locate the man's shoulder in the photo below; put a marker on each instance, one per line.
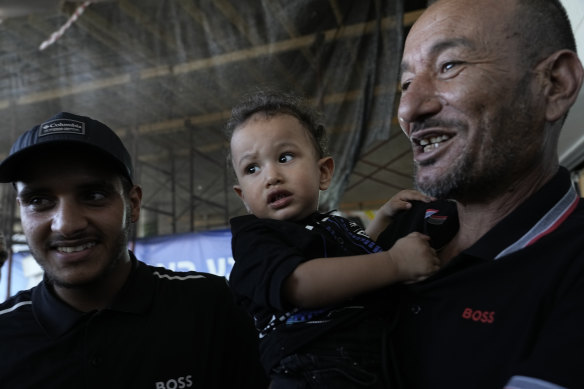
(573, 222)
(17, 304)
(187, 279)
(578, 214)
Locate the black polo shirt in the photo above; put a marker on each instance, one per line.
(267, 251)
(507, 311)
(165, 330)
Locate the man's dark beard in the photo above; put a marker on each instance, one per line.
(467, 180)
(122, 242)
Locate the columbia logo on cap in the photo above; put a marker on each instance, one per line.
(62, 126)
(65, 130)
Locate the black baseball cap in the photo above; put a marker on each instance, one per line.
(64, 130)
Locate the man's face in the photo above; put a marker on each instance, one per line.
(76, 219)
(467, 103)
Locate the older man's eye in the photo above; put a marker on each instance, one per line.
(447, 66)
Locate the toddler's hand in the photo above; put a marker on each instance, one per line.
(414, 258)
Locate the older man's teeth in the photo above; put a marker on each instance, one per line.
(74, 249)
(432, 143)
(431, 147)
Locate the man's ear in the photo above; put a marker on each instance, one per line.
(135, 201)
(327, 168)
(564, 75)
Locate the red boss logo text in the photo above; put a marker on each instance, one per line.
(478, 315)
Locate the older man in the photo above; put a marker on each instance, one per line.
(486, 86)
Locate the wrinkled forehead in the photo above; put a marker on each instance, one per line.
(483, 22)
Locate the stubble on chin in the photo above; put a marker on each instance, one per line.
(113, 263)
(78, 280)
(469, 178)
(440, 187)
(444, 184)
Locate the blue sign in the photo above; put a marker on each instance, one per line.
(208, 252)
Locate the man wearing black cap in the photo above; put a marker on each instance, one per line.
(101, 318)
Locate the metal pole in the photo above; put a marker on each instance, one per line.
(191, 175)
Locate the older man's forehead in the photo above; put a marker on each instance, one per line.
(437, 47)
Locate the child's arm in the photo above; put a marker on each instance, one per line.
(323, 281)
(398, 203)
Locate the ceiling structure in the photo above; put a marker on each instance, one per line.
(164, 75)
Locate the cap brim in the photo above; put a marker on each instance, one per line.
(14, 167)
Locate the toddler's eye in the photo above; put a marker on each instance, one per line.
(251, 169)
(286, 157)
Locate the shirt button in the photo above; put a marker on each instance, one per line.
(96, 361)
(415, 309)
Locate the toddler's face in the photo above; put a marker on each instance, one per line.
(278, 171)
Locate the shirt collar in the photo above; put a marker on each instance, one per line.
(56, 317)
(138, 292)
(536, 217)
